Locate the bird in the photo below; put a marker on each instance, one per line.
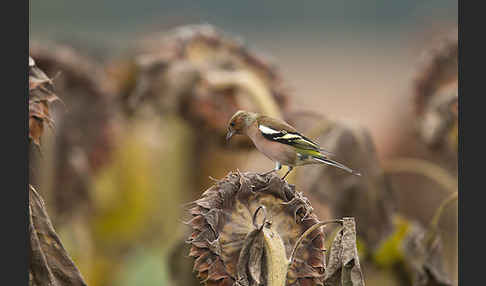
(280, 142)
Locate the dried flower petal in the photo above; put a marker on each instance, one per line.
(40, 95)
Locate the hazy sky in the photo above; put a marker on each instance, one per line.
(114, 21)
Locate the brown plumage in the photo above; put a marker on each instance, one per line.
(279, 141)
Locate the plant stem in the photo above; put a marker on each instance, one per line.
(434, 223)
(424, 168)
(264, 218)
(307, 232)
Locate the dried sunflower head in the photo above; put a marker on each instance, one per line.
(206, 76)
(244, 228)
(86, 129)
(368, 198)
(41, 94)
(424, 258)
(436, 94)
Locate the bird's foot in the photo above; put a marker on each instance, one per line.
(290, 169)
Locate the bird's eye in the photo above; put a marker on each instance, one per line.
(232, 124)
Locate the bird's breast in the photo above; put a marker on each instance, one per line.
(285, 154)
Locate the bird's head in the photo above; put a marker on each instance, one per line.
(240, 122)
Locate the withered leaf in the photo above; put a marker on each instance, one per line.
(50, 264)
(343, 267)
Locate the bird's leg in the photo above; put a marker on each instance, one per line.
(290, 169)
(278, 166)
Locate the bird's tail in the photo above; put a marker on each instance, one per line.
(328, 161)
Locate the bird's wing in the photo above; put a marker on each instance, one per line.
(281, 132)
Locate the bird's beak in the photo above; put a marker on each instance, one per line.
(229, 135)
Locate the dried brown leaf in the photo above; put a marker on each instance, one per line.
(343, 267)
(50, 264)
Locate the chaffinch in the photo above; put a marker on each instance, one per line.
(280, 142)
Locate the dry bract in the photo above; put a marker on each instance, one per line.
(41, 94)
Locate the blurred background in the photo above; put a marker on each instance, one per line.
(124, 155)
